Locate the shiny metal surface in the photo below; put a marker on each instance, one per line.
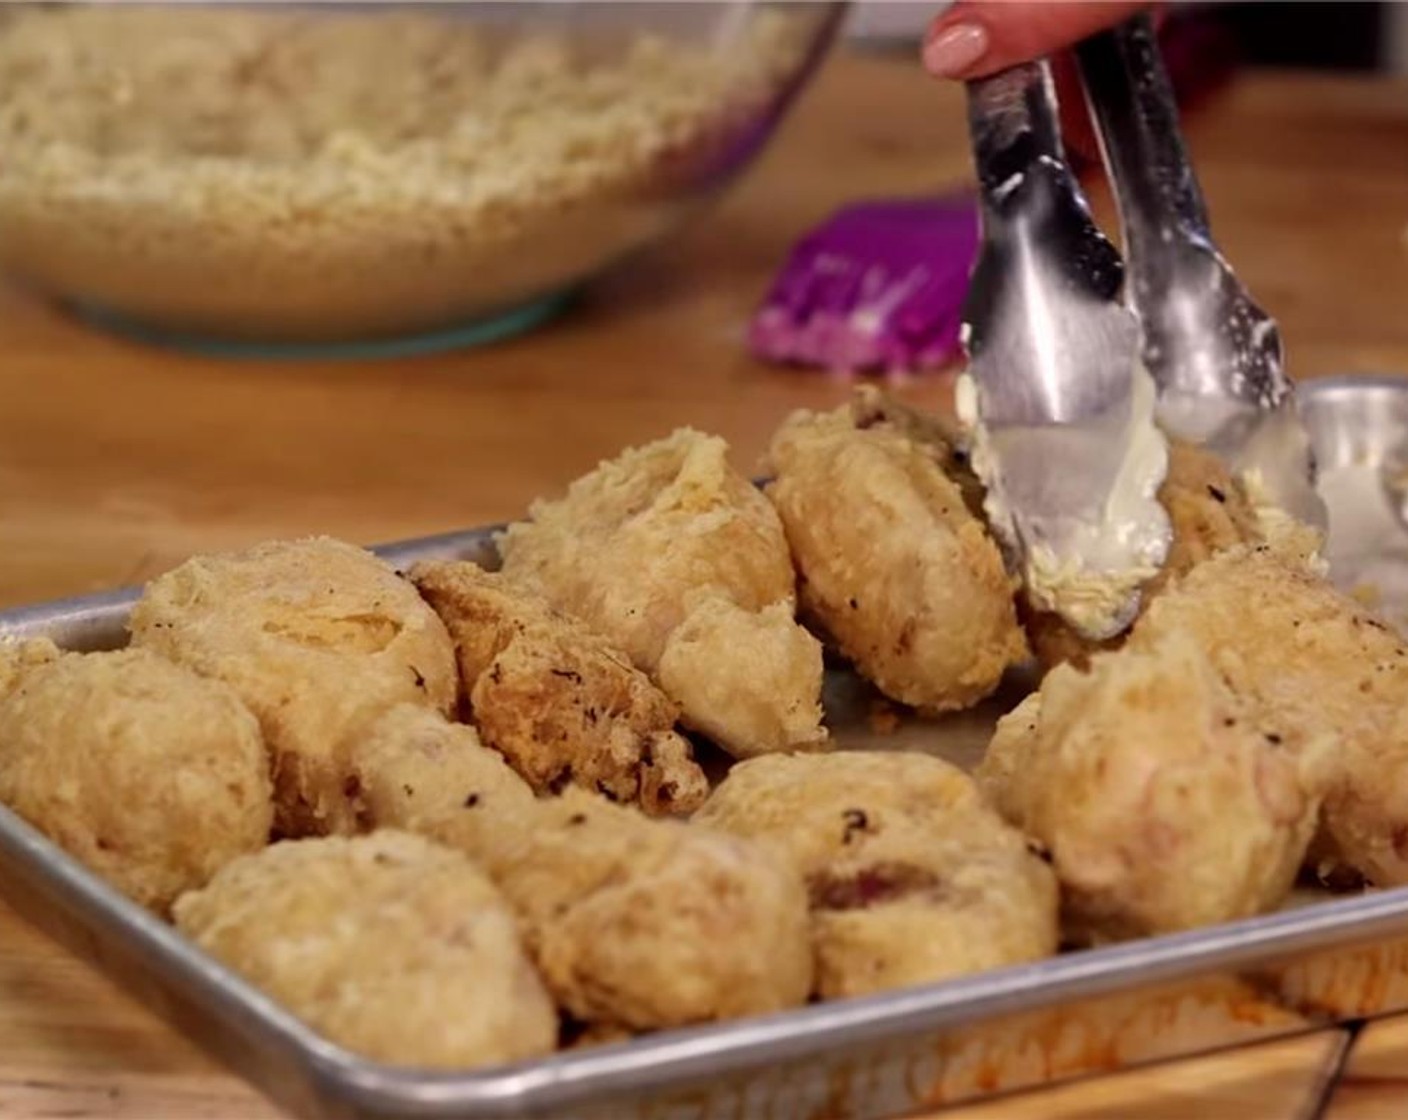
(1052, 349)
(864, 1059)
(1215, 354)
(1359, 431)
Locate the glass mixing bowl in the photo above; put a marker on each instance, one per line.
(370, 177)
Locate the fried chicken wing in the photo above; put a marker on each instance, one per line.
(673, 556)
(635, 923)
(912, 878)
(1210, 512)
(1164, 801)
(559, 702)
(894, 566)
(317, 637)
(147, 773)
(394, 947)
(1312, 661)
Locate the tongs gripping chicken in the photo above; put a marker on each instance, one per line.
(1070, 387)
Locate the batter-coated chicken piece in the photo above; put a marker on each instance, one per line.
(894, 566)
(912, 878)
(392, 946)
(674, 557)
(148, 774)
(1164, 800)
(1210, 512)
(1313, 662)
(649, 923)
(635, 923)
(317, 637)
(559, 702)
(413, 769)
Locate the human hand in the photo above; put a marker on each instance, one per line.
(974, 38)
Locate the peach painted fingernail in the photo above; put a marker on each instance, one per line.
(950, 53)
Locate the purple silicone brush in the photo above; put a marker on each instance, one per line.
(878, 288)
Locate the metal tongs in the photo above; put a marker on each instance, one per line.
(1070, 387)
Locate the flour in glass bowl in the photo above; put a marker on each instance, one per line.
(276, 173)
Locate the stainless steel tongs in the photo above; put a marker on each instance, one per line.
(1061, 388)
(1215, 355)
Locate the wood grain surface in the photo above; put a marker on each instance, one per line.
(117, 461)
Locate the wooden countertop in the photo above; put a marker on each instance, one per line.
(117, 461)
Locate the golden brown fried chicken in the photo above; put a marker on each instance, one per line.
(413, 769)
(1164, 801)
(559, 702)
(147, 773)
(1313, 662)
(894, 566)
(390, 945)
(317, 637)
(912, 877)
(676, 558)
(649, 923)
(634, 923)
(781, 662)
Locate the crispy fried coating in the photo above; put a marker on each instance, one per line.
(1313, 662)
(635, 923)
(642, 543)
(413, 769)
(912, 878)
(650, 923)
(894, 565)
(1209, 512)
(780, 660)
(392, 946)
(1165, 803)
(18, 657)
(147, 773)
(317, 637)
(559, 702)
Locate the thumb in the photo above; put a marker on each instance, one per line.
(975, 38)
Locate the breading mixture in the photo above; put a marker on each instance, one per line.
(634, 923)
(394, 947)
(317, 637)
(893, 564)
(18, 657)
(150, 775)
(674, 556)
(559, 702)
(233, 167)
(912, 877)
(1165, 801)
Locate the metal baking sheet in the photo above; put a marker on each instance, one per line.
(861, 1059)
